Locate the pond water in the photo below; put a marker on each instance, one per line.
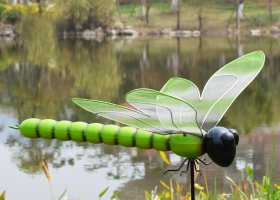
(39, 80)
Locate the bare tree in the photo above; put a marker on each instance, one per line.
(175, 6)
(199, 4)
(270, 9)
(239, 13)
(143, 8)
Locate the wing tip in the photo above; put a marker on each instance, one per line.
(258, 53)
(260, 56)
(75, 100)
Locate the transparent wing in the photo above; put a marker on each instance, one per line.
(172, 113)
(220, 90)
(136, 118)
(183, 89)
(119, 114)
(188, 91)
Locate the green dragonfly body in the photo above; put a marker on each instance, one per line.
(184, 145)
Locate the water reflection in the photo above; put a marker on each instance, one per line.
(42, 86)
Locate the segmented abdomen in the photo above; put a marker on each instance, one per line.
(94, 133)
(185, 145)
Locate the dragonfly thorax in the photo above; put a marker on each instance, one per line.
(220, 144)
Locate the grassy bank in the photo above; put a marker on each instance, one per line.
(214, 16)
(211, 16)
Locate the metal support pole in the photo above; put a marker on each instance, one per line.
(192, 179)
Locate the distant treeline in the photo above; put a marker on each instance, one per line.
(186, 1)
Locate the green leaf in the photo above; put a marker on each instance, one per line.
(203, 195)
(2, 197)
(266, 181)
(260, 187)
(164, 185)
(148, 196)
(215, 188)
(162, 196)
(249, 172)
(115, 195)
(62, 195)
(103, 192)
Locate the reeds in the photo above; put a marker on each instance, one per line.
(2, 196)
(247, 189)
(44, 166)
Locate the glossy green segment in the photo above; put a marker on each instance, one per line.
(188, 146)
(109, 134)
(143, 139)
(77, 131)
(61, 130)
(126, 136)
(46, 128)
(28, 127)
(92, 133)
(161, 142)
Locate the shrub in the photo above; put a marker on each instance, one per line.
(2, 8)
(11, 15)
(86, 14)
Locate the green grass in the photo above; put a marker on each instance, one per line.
(215, 15)
(129, 9)
(163, 7)
(136, 9)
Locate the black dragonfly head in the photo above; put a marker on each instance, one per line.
(220, 144)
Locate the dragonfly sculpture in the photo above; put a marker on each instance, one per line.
(177, 118)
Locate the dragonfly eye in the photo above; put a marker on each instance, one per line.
(235, 134)
(220, 144)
